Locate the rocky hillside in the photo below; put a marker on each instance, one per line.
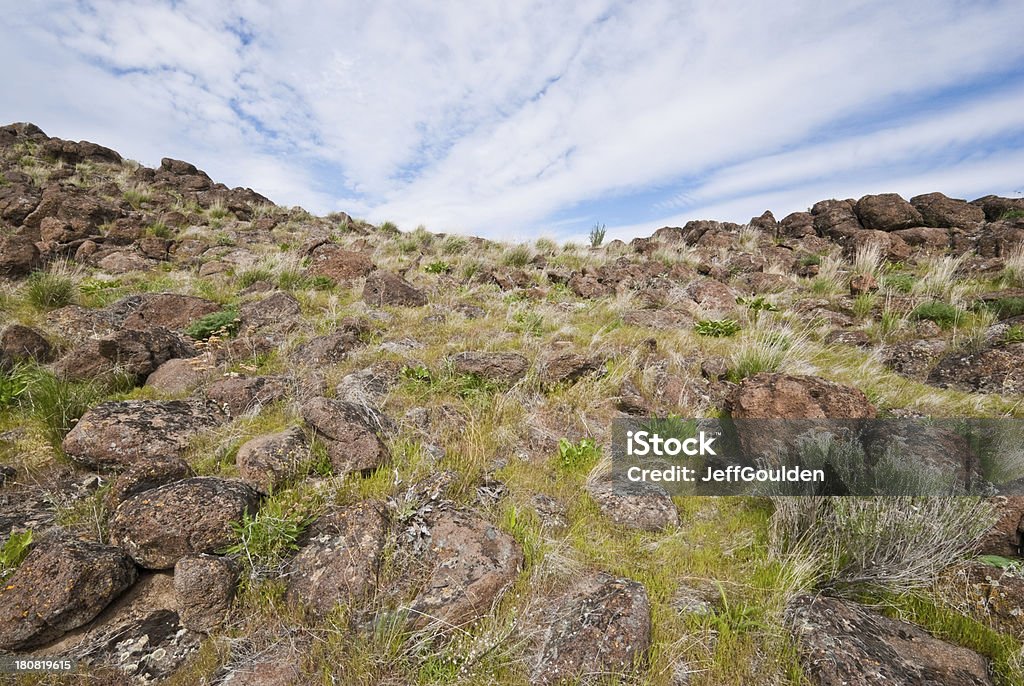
(240, 444)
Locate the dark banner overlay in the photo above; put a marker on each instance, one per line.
(792, 457)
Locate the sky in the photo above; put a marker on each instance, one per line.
(517, 120)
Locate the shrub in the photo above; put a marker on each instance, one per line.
(1004, 308)
(901, 283)
(768, 351)
(13, 551)
(810, 260)
(223, 323)
(160, 230)
(265, 540)
(1011, 214)
(438, 267)
(454, 245)
(889, 543)
(546, 246)
(1015, 334)
(597, 235)
(388, 227)
(49, 290)
(943, 314)
(251, 276)
(137, 195)
(757, 305)
(717, 328)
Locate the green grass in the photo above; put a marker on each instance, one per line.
(1011, 214)
(49, 291)
(222, 324)
(266, 539)
(1004, 308)
(943, 314)
(518, 256)
(13, 551)
(13, 384)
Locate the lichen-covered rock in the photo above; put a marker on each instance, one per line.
(912, 359)
(240, 395)
(204, 586)
(635, 505)
(182, 375)
(117, 435)
(160, 526)
(339, 561)
(268, 461)
(145, 476)
(352, 441)
(947, 213)
(1007, 534)
(61, 585)
(504, 367)
(995, 368)
(338, 264)
(471, 562)
(887, 212)
(599, 629)
(385, 288)
(20, 343)
(18, 256)
(169, 310)
(333, 347)
(786, 396)
(840, 642)
(130, 352)
(567, 367)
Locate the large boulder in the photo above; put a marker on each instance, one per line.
(840, 642)
(18, 198)
(995, 368)
(169, 310)
(18, 256)
(384, 288)
(204, 586)
(269, 461)
(503, 367)
(471, 562)
(887, 212)
(339, 264)
(72, 153)
(601, 628)
(567, 367)
(61, 585)
(240, 395)
(117, 435)
(786, 396)
(131, 352)
(351, 439)
(20, 343)
(339, 562)
(835, 218)
(161, 526)
(946, 213)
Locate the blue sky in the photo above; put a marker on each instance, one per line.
(516, 120)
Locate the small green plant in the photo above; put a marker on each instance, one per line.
(577, 457)
(438, 267)
(943, 314)
(1011, 214)
(454, 245)
(810, 260)
(137, 196)
(1004, 308)
(757, 304)
(222, 324)
(56, 404)
(418, 374)
(546, 246)
(717, 328)
(49, 290)
(528, 322)
(863, 304)
(597, 235)
(388, 227)
(264, 540)
(1015, 334)
(518, 256)
(251, 276)
(218, 210)
(13, 551)
(900, 282)
(160, 230)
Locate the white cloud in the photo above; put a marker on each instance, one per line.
(505, 119)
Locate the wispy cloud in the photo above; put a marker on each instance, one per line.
(530, 118)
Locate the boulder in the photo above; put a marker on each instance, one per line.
(471, 562)
(272, 310)
(117, 435)
(786, 396)
(131, 352)
(839, 642)
(18, 198)
(600, 629)
(61, 585)
(145, 476)
(997, 367)
(925, 239)
(18, 256)
(204, 586)
(887, 212)
(494, 366)
(161, 526)
(712, 297)
(384, 288)
(944, 212)
(635, 505)
(333, 347)
(567, 367)
(20, 343)
(182, 375)
(339, 561)
(1007, 534)
(240, 395)
(169, 310)
(912, 359)
(351, 439)
(72, 153)
(835, 219)
(269, 461)
(338, 264)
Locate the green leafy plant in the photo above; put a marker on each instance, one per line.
(943, 314)
(13, 551)
(901, 283)
(1011, 214)
(49, 290)
(13, 383)
(266, 539)
(1015, 334)
(223, 323)
(597, 235)
(438, 267)
(418, 374)
(575, 457)
(717, 328)
(757, 304)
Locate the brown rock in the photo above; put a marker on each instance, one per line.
(161, 526)
(338, 264)
(712, 296)
(1007, 534)
(912, 359)
(567, 367)
(23, 343)
(60, 586)
(205, 586)
(181, 376)
(333, 347)
(887, 212)
(125, 261)
(862, 283)
(785, 396)
(116, 435)
(240, 395)
(268, 461)
(924, 238)
(471, 561)
(943, 212)
(601, 628)
(18, 256)
(339, 562)
(136, 354)
(169, 310)
(586, 286)
(145, 476)
(504, 367)
(997, 367)
(840, 642)
(835, 218)
(352, 441)
(384, 288)
(635, 505)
